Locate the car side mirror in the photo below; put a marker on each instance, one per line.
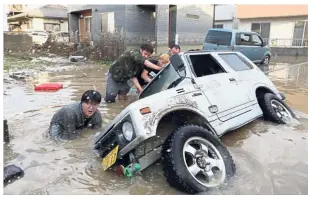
(177, 62)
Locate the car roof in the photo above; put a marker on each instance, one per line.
(232, 30)
(207, 51)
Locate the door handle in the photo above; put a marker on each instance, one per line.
(232, 79)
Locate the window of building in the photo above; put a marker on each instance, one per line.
(88, 24)
(107, 22)
(262, 29)
(191, 16)
(218, 26)
(50, 27)
(300, 34)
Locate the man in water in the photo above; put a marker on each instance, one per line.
(127, 67)
(76, 116)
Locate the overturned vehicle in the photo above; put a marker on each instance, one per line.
(181, 114)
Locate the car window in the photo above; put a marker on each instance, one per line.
(243, 39)
(218, 37)
(256, 41)
(205, 64)
(235, 62)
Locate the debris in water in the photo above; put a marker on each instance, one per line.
(11, 173)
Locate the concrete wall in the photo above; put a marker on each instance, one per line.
(281, 28)
(17, 42)
(193, 31)
(162, 26)
(280, 51)
(139, 24)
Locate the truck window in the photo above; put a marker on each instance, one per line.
(243, 39)
(204, 65)
(235, 62)
(256, 40)
(218, 37)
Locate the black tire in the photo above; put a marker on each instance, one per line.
(174, 166)
(265, 62)
(268, 111)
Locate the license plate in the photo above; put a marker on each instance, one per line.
(110, 159)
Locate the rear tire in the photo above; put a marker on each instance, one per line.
(194, 160)
(275, 110)
(266, 60)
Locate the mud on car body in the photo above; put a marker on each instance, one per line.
(181, 114)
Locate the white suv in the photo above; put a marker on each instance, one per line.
(181, 114)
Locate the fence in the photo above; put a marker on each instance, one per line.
(294, 74)
(276, 42)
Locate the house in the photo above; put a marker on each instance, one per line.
(224, 16)
(51, 18)
(285, 25)
(163, 24)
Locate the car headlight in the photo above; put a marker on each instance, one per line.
(128, 130)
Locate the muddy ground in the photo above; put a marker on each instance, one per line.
(270, 158)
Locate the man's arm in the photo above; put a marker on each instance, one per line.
(137, 85)
(62, 124)
(151, 65)
(145, 76)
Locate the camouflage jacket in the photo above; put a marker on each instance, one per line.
(128, 65)
(69, 119)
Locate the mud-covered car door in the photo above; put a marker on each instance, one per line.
(219, 85)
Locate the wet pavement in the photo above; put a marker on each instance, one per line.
(270, 158)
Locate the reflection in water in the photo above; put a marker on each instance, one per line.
(293, 82)
(270, 158)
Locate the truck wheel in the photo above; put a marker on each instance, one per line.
(194, 160)
(274, 109)
(266, 60)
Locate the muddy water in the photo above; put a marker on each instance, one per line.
(270, 158)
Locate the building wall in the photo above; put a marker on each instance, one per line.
(257, 11)
(281, 28)
(37, 24)
(119, 17)
(226, 24)
(139, 24)
(63, 25)
(193, 31)
(225, 12)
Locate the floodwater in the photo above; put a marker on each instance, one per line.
(270, 158)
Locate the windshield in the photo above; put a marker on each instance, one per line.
(218, 37)
(165, 79)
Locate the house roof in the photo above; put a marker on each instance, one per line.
(47, 11)
(266, 11)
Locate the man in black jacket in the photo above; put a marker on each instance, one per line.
(67, 121)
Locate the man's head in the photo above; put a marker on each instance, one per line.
(146, 50)
(174, 49)
(90, 102)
